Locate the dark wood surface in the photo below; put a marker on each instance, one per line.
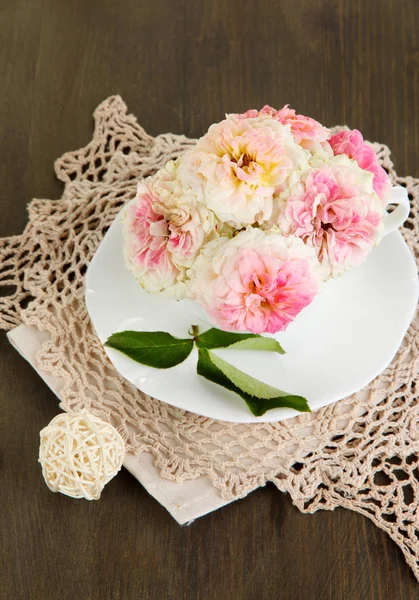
(180, 65)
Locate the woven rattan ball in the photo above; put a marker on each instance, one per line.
(79, 454)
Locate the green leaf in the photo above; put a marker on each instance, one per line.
(258, 396)
(258, 343)
(153, 348)
(215, 338)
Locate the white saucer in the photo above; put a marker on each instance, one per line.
(337, 345)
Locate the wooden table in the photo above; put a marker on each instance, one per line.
(180, 65)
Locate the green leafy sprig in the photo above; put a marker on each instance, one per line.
(162, 350)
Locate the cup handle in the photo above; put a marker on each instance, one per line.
(392, 221)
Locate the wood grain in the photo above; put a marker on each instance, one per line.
(180, 65)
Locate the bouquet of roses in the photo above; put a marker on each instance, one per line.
(250, 222)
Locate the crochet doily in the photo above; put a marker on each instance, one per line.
(360, 453)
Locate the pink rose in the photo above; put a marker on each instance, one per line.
(334, 210)
(352, 144)
(146, 235)
(237, 167)
(305, 130)
(256, 282)
(164, 229)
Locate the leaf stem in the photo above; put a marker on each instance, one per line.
(195, 331)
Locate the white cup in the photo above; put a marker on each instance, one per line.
(392, 221)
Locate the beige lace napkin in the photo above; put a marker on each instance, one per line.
(360, 453)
